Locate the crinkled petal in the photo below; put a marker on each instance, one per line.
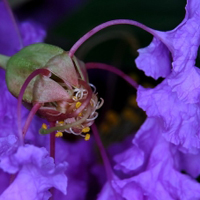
(154, 60)
(8, 145)
(36, 174)
(183, 43)
(186, 84)
(80, 157)
(125, 159)
(180, 120)
(158, 179)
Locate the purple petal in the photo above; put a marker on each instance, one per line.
(125, 159)
(36, 174)
(9, 40)
(158, 179)
(31, 33)
(80, 157)
(179, 119)
(154, 60)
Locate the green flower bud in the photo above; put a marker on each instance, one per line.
(65, 95)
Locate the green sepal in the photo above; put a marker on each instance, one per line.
(4, 61)
(23, 63)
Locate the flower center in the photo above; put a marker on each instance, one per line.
(76, 115)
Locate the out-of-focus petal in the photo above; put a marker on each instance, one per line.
(36, 174)
(80, 157)
(31, 33)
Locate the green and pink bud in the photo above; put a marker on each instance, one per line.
(59, 86)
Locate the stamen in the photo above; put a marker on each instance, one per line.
(111, 23)
(93, 116)
(86, 129)
(87, 137)
(85, 103)
(71, 131)
(78, 104)
(106, 162)
(91, 85)
(44, 72)
(44, 126)
(57, 128)
(30, 117)
(59, 134)
(113, 70)
(99, 104)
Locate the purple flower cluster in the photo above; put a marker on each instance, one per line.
(151, 166)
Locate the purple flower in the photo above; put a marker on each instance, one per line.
(150, 167)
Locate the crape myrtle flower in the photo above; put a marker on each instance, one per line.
(151, 165)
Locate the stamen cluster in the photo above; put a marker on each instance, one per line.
(79, 117)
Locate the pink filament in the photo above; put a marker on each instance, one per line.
(44, 72)
(107, 24)
(52, 142)
(104, 156)
(113, 70)
(52, 153)
(106, 162)
(30, 117)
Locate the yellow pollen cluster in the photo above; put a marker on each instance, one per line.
(44, 126)
(87, 137)
(59, 134)
(86, 129)
(61, 122)
(78, 104)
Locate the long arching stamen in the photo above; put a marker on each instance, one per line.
(44, 72)
(52, 153)
(30, 117)
(113, 70)
(106, 162)
(111, 23)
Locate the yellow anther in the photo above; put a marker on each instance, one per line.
(44, 126)
(78, 104)
(61, 122)
(86, 129)
(80, 114)
(59, 134)
(87, 137)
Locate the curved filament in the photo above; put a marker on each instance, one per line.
(111, 23)
(113, 70)
(44, 72)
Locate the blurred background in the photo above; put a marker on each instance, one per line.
(67, 20)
